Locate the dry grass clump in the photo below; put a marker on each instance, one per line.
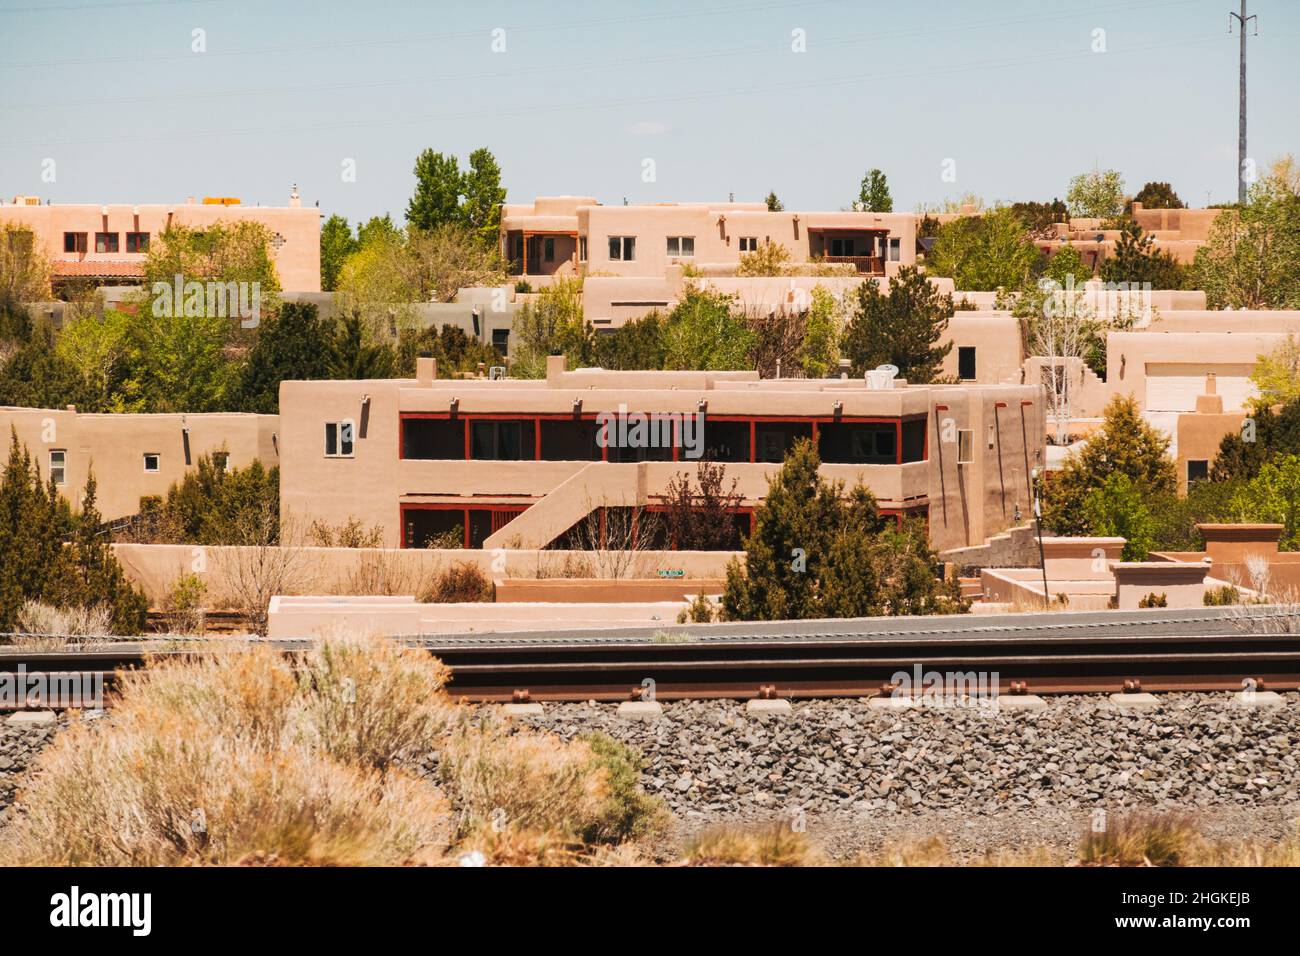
(242, 755)
(43, 627)
(1141, 839)
(932, 851)
(232, 754)
(369, 701)
(776, 844)
(1285, 852)
(461, 583)
(536, 796)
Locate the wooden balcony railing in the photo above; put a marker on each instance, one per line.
(866, 265)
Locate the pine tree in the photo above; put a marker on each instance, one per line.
(900, 328)
(1125, 444)
(483, 198)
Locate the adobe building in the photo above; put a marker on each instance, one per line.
(523, 464)
(132, 455)
(107, 244)
(635, 256)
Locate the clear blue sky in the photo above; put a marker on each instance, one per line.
(585, 91)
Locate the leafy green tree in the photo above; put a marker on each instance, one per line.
(1115, 509)
(774, 204)
(378, 228)
(1124, 444)
(484, 196)
(24, 278)
(1263, 434)
(1137, 261)
(380, 282)
(705, 333)
(873, 193)
(816, 552)
(1252, 257)
(820, 350)
(1277, 373)
(1065, 266)
(554, 324)
(984, 253)
(1159, 196)
(438, 183)
(636, 345)
(1273, 496)
(1098, 194)
(97, 346)
(295, 345)
(1174, 519)
(902, 327)
(336, 244)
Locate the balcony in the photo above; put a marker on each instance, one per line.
(865, 265)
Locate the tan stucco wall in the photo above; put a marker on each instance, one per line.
(115, 445)
(966, 502)
(297, 259)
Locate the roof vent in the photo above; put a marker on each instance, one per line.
(882, 377)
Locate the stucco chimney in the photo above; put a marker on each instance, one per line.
(1211, 402)
(426, 369)
(555, 367)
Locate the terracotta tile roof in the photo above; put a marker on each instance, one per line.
(96, 269)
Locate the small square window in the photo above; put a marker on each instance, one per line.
(59, 466)
(749, 243)
(682, 246)
(152, 461)
(622, 248)
(338, 439)
(106, 242)
(1197, 470)
(74, 242)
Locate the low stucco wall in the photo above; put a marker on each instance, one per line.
(309, 615)
(155, 567)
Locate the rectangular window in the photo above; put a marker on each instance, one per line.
(74, 242)
(842, 247)
(682, 246)
(548, 249)
(965, 446)
(895, 250)
(58, 466)
(106, 242)
(622, 248)
(433, 438)
(502, 441)
(749, 243)
(582, 248)
(966, 363)
(501, 340)
(137, 242)
(338, 439)
(219, 460)
(152, 461)
(1197, 470)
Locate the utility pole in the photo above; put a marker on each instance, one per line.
(1242, 20)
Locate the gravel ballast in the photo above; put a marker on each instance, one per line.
(861, 778)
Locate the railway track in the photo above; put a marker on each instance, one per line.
(1050, 654)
